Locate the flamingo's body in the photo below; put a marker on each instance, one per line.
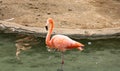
(60, 42)
(63, 43)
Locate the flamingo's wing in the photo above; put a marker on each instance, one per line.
(61, 42)
(64, 43)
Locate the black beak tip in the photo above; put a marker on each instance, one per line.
(46, 27)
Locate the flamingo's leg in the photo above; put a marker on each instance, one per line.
(62, 62)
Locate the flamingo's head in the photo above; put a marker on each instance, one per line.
(49, 21)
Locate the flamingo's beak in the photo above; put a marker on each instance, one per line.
(46, 27)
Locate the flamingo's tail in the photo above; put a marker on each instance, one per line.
(80, 46)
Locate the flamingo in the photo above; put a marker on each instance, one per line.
(60, 42)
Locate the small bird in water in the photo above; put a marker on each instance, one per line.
(60, 42)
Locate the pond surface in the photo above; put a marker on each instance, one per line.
(99, 55)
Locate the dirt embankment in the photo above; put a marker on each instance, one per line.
(79, 14)
(77, 18)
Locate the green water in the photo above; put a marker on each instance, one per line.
(101, 55)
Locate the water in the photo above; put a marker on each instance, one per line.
(99, 55)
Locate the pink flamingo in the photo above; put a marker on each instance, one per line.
(60, 42)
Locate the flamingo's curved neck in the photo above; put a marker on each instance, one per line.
(49, 33)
